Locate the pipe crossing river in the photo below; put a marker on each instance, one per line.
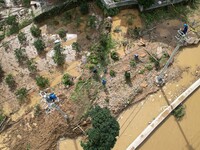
(161, 117)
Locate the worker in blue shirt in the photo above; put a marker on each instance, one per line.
(185, 29)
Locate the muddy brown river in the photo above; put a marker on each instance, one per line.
(171, 135)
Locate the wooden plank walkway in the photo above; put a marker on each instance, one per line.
(161, 117)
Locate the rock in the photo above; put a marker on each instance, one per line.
(144, 85)
(159, 52)
(143, 54)
(196, 41)
(190, 40)
(19, 136)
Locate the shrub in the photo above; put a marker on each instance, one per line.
(39, 45)
(78, 22)
(35, 31)
(67, 80)
(21, 94)
(37, 110)
(20, 55)
(127, 75)
(114, 56)
(13, 29)
(105, 129)
(84, 8)
(62, 33)
(26, 3)
(149, 67)
(112, 73)
(1, 116)
(146, 3)
(67, 17)
(141, 71)
(10, 81)
(179, 112)
(21, 37)
(76, 46)
(1, 72)
(42, 82)
(107, 12)
(31, 66)
(91, 22)
(58, 57)
(2, 36)
(11, 20)
(132, 63)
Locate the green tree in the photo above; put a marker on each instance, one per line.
(21, 37)
(20, 55)
(84, 8)
(67, 80)
(39, 45)
(10, 81)
(35, 31)
(62, 33)
(59, 57)
(31, 66)
(105, 129)
(22, 94)
(2, 116)
(42, 82)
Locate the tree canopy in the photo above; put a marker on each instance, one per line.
(105, 129)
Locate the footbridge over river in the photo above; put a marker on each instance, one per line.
(162, 116)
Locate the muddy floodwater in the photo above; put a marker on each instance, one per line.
(178, 135)
(171, 135)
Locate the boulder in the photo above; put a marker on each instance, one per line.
(159, 52)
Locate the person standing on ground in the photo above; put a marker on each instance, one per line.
(185, 29)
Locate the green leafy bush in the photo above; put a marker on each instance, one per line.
(84, 8)
(20, 55)
(10, 81)
(67, 80)
(31, 66)
(114, 56)
(107, 12)
(179, 112)
(35, 31)
(105, 129)
(127, 75)
(62, 33)
(39, 45)
(26, 3)
(91, 22)
(59, 57)
(14, 29)
(141, 71)
(76, 46)
(132, 63)
(149, 67)
(11, 20)
(21, 37)
(2, 36)
(146, 3)
(37, 110)
(22, 94)
(112, 73)
(42, 82)
(1, 73)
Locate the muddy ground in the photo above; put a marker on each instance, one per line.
(42, 132)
